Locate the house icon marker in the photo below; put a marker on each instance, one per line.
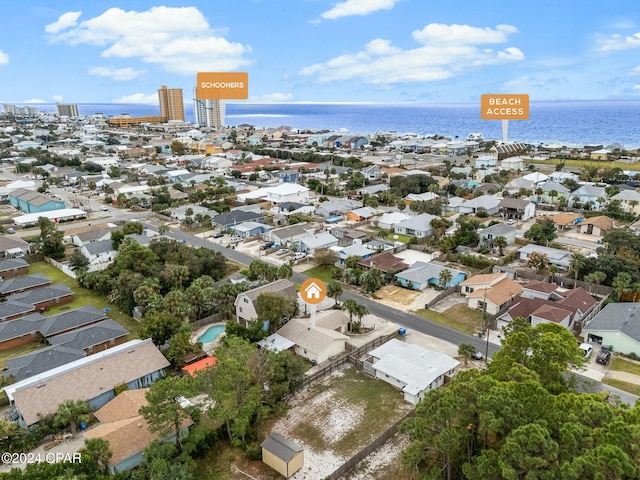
(313, 291)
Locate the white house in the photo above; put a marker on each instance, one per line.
(310, 244)
(418, 226)
(411, 368)
(288, 192)
(391, 219)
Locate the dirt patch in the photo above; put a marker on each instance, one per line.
(398, 295)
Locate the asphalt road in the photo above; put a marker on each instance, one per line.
(405, 319)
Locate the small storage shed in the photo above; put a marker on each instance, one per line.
(282, 454)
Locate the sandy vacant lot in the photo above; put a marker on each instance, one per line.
(334, 419)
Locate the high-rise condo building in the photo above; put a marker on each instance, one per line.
(67, 109)
(171, 103)
(208, 113)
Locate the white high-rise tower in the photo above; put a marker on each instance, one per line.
(208, 113)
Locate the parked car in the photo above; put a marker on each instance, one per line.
(219, 235)
(604, 357)
(266, 246)
(104, 208)
(298, 255)
(11, 230)
(282, 251)
(586, 348)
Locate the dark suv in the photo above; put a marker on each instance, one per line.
(603, 357)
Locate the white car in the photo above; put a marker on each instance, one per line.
(587, 349)
(298, 256)
(282, 251)
(104, 208)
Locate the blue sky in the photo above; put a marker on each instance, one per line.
(384, 51)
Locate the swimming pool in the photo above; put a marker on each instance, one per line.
(211, 333)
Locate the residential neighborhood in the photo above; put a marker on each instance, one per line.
(165, 275)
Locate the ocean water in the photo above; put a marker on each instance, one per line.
(571, 123)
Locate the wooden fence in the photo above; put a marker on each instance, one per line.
(369, 449)
(566, 282)
(443, 294)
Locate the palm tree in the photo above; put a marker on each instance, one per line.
(445, 277)
(596, 277)
(553, 194)
(553, 270)
(622, 283)
(72, 412)
(500, 242)
(334, 290)
(577, 263)
(350, 306)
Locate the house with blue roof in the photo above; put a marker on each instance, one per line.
(422, 275)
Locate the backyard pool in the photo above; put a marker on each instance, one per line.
(211, 333)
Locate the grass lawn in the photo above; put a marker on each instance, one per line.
(83, 296)
(322, 273)
(459, 317)
(401, 238)
(590, 163)
(625, 366)
(626, 386)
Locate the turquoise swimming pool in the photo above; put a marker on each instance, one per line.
(211, 333)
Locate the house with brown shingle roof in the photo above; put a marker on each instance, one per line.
(136, 364)
(385, 262)
(596, 226)
(563, 220)
(126, 430)
(542, 302)
(490, 292)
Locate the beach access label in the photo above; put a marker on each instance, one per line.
(222, 85)
(514, 106)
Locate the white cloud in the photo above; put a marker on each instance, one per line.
(357, 7)
(137, 98)
(445, 52)
(35, 100)
(179, 40)
(635, 71)
(440, 34)
(636, 87)
(66, 20)
(117, 74)
(272, 97)
(617, 42)
(57, 98)
(4, 58)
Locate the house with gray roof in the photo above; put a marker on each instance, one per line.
(418, 226)
(23, 283)
(629, 201)
(100, 251)
(66, 348)
(411, 368)
(44, 297)
(33, 363)
(489, 234)
(12, 309)
(421, 275)
(596, 195)
(483, 203)
(228, 221)
(290, 234)
(561, 258)
(316, 344)
(13, 267)
(335, 208)
(617, 325)
(246, 302)
(310, 244)
(13, 247)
